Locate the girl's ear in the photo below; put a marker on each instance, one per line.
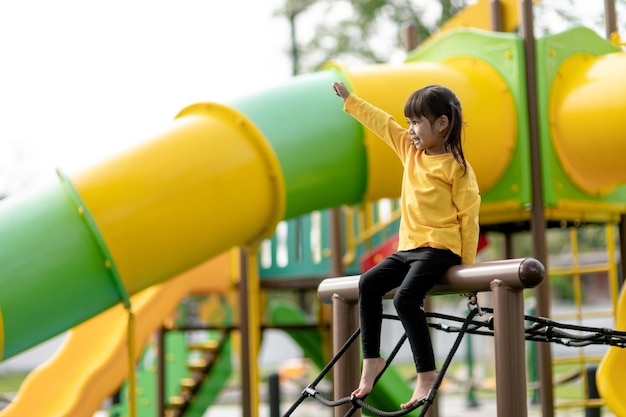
(442, 123)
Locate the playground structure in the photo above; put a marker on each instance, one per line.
(506, 279)
(87, 246)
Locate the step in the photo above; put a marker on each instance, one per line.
(198, 364)
(177, 401)
(207, 345)
(188, 383)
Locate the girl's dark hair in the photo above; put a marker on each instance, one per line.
(432, 102)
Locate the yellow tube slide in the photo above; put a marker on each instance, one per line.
(161, 217)
(479, 87)
(576, 125)
(610, 374)
(93, 361)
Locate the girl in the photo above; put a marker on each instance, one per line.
(438, 226)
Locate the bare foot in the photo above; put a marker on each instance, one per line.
(371, 368)
(425, 382)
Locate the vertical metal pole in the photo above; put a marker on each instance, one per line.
(347, 371)
(273, 384)
(509, 249)
(610, 18)
(592, 390)
(345, 320)
(610, 22)
(509, 340)
(250, 331)
(410, 36)
(496, 15)
(243, 329)
(538, 221)
(622, 247)
(161, 372)
(471, 391)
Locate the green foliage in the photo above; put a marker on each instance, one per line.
(361, 31)
(562, 288)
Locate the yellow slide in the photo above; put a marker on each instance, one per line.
(93, 362)
(610, 374)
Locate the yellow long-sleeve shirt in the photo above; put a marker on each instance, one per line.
(439, 203)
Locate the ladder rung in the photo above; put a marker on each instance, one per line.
(198, 364)
(177, 401)
(188, 382)
(207, 345)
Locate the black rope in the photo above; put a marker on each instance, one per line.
(357, 403)
(311, 387)
(360, 402)
(541, 329)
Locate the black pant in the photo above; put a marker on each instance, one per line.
(414, 273)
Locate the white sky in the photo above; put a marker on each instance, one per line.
(82, 79)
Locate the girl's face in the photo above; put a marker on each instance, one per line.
(428, 136)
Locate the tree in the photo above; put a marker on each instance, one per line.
(358, 32)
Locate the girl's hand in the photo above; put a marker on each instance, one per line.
(341, 90)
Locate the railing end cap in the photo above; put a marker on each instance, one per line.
(531, 272)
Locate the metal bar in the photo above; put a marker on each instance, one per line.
(161, 372)
(273, 384)
(346, 372)
(246, 364)
(496, 15)
(516, 273)
(506, 278)
(622, 248)
(610, 18)
(509, 338)
(537, 220)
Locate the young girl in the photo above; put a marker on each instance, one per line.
(438, 226)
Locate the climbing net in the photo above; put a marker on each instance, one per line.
(539, 329)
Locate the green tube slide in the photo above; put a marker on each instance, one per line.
(56, 271)
(45, 291)
(319, 148)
